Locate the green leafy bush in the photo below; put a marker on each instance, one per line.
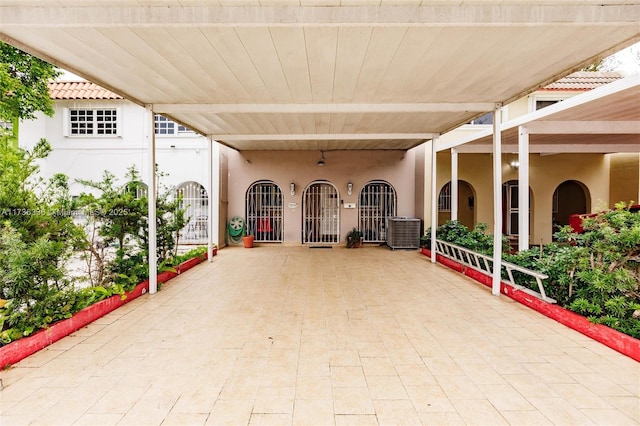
(38, 237)
(595, 274)
(456, 233)
(195, 252)
(119, 217)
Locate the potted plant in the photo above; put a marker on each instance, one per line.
(247, 240)
(354, 238)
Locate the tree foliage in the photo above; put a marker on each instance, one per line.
(37, 233)
(24, 84)
(37, 237)
(119, 215)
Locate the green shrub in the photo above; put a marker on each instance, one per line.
(195, 252)
(38, 237)
(33, 284)
(456, 233)
(595, 274)
(119, 216)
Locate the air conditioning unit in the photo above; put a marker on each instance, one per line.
(403, 233)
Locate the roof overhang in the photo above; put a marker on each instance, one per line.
(603, 120)
(285, 75)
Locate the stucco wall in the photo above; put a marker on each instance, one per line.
(546, 173)
(625, 178)
(341, 167)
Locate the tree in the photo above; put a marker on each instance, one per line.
(627, 61)
(118, 217)
(24, 84)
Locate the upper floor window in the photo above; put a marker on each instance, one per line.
(545, 103)
(485, 119)
(93, 122)
(542, 100)
(164, 126)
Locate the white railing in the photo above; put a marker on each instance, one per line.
(483, 263)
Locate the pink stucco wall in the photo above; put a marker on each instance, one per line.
(300, 167)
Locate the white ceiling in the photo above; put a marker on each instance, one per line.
(321, 74)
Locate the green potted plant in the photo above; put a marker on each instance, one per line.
(354, 238)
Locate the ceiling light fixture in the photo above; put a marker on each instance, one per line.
(321, 162)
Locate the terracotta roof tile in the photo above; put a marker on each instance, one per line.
(584, 80)
(60, 90)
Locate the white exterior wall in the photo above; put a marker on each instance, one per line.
(86, 157)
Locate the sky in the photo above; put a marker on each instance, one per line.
(627, 61)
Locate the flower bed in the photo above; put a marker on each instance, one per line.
(614, 339)
(22, 348)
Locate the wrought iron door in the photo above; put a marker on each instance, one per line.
(264, 211)
(377, 204)
(321, 214)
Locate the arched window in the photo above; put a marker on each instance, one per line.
(195, 201)
(138, 188)
(377, 204)
(264, 211)
(466, 204)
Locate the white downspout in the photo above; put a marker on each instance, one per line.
(497, 199)
(152, 197)
(523, 189)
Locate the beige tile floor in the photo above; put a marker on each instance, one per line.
(291, 335)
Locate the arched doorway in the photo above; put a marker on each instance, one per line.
(377, 204)
(570, 197)
(264, 211)
(320, 214)
(195, 201)
(466, 204)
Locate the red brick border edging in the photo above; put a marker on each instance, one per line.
(22, 348)
(614, 339)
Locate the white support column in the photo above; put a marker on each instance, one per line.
(152, 196)
(454, 184)
(523, 188)
(215, 193)
(213, 213)
(497, 199)
(434, 198)
(210, 220)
